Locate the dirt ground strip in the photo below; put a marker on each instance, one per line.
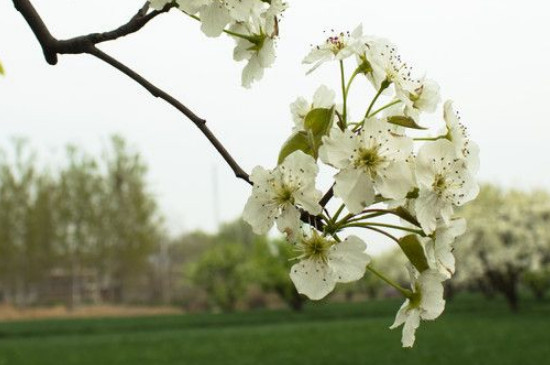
(10, 313)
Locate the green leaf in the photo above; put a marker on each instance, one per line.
(317, 124)
(1, 69)
(403, 121)
(413, 249)
(319, 121)
(297, 142)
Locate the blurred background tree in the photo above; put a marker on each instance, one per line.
(508, 239)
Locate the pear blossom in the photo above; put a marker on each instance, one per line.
(423, 98)
(444, 181)
(426, 302)
(272, 14)
(215, 15)
(373, 158)
(440, 250)
(325, 262)
(388, 68)
(457, 134)
(258, 49)
(337, 47)
(277, 192)
(323, 98)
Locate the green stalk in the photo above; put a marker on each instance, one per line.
(385, 84)
(384, 107)
(344, 94)
(376, 224)
(406, 292)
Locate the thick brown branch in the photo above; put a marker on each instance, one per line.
(81, 44)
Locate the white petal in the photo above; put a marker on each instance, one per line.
(348, 259)
(432, 302)
(299, 109)
(355, 188)
(409, 329)
(289, 222)
(318, 55)
(428, 208)
(312, 278)
(396, 180)
(338, 147)
(431, 159)
(242, 50)
(401, 315)
(259, 214)
(266, 55)
(323, 97)
(214, 19)
(253, 71)
(300, 169)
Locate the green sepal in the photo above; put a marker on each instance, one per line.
(299, 141)
(1, 69)
(413, 249)
(403, 121)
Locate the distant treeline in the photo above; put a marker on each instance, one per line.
(91, 232)
(83, 232)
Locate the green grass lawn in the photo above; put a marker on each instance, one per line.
(471, 331)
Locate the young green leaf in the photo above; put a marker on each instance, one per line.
(413, 249)
(319, 121)
(298, 141)
(406, 122)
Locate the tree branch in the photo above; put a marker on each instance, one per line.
(52, 47)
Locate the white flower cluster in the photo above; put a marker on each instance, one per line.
(383, 165)
(253, 24)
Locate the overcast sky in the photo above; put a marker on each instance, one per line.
(490, 56)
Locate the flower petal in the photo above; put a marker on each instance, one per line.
(355, 188)
(312, 278)
(348, 259)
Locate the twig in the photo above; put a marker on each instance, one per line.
(86, 44)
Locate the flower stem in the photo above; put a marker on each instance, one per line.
(337, 214)
(407, 293)
(376, 224)
(344, 94)
(384, 107)
(385, 84)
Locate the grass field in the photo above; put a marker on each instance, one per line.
(472, 331)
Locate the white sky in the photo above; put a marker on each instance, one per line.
(490, 56)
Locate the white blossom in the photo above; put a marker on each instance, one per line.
(458, 135)
(272, 15)
(337, 47)
(276, 194)
(426, 303)
(372, 160)
(444, 181)
(324, 262)
(422, 98)
(440, 250)
(323, 98)
(258, 49)
(388, 68)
